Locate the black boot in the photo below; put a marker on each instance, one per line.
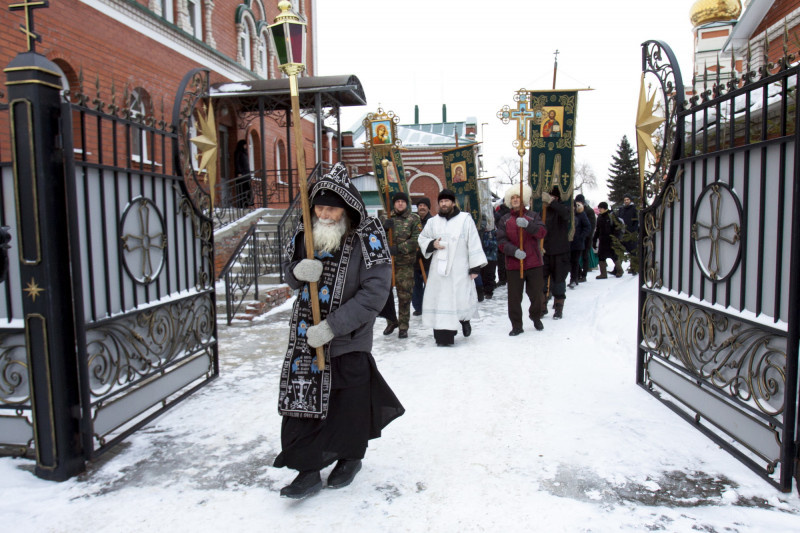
(303, 486)
(390, 327)
(558, 306)
(343, 473)
(537, 323)
(466, 328)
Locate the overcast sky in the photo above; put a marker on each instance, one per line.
(474, 55)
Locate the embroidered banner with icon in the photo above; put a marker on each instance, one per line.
(461, 177)
(388, 168)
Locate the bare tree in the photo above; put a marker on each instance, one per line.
(507, 174)
(584, 177)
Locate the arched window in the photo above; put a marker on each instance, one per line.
(245, 47)
(280, 161)
(263, 55)
(138, 106)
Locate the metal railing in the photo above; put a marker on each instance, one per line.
(262, 257)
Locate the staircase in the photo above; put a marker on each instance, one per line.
(271, 292)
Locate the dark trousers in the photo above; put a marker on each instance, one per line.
(575, 265)
(556, 268)
(501, 268)
(532, 282)
(388, 312)
(418, 291)
(487, 276)
(587, 245)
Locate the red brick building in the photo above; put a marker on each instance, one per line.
(134, 54)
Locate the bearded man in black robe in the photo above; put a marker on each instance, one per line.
(330, 414)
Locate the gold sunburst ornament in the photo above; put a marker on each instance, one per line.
(646, 123)
(33, 289)
(206, 142)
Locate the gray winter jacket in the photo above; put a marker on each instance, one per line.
(365, 292)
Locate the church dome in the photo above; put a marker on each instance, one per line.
(705, 11)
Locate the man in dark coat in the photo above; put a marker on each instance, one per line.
(529, 254)
(499, 212)
(582, 231)
(329, 414)
(424, 213)
(630, 217)
(588, 241)
(556, 250)
(603, 240)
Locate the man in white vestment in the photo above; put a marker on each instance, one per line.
(452, 242)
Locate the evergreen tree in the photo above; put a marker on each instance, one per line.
(624, 174)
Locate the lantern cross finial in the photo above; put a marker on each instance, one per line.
(31, 36)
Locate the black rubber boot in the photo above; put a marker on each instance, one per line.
(466, 328)
(343, 473)
(304, 485)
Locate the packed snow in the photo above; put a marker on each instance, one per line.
(546, 431)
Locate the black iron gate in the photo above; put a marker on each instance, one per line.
(718, 337)
(107, 315)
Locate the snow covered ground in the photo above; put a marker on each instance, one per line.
(546, 431)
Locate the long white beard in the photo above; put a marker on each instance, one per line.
(328, 234)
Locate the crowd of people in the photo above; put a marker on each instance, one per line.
(440, 265)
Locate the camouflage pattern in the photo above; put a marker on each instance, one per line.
(406, 230)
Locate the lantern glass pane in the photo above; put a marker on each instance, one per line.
(278, 33)
(298, 40)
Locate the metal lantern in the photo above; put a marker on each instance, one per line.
(288, 35)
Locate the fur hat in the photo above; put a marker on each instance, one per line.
(446, 194)
(399, 196)
(514, 191)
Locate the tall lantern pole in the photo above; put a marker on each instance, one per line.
(288, 35)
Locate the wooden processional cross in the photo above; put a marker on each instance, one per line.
(522, 115)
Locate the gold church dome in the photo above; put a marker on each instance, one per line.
(705, 11)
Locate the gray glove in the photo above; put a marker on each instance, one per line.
(520, 254)
(522, 222)
(546, 198)
(308, 270)
(319, 334)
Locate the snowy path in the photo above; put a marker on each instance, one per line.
(546, 431)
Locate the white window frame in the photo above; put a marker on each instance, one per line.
(245, 43)
(195, 8)
(168, 10)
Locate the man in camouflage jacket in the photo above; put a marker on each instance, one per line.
(405, 228)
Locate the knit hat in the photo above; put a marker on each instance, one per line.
(580, 199)
(602, 205)
(446, 194)
(514, 191)
(400, 196)
(424, 200)
(329, 198)
(628, 196)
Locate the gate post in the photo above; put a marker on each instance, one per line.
(34, 87)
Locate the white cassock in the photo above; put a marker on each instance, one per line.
(450, 293)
